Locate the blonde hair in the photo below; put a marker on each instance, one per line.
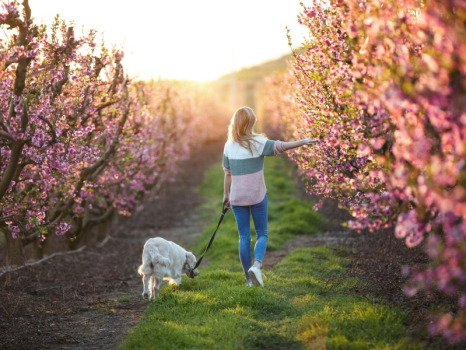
(241, 128)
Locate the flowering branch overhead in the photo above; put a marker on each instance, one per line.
(77, 141)
(381, 84)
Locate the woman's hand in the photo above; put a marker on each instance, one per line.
(226, 200)
(309, 142)
(226, 189)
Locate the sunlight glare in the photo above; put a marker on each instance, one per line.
(185, 40)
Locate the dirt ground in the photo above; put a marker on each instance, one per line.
(376, 259)
(89, 300)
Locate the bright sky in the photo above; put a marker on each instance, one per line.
(184, 39)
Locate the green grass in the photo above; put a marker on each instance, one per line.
(307, 301)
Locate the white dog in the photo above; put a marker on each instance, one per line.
(162, 259)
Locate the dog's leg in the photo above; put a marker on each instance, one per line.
(152, 286)
(146, 283)
(156, 282)
(176, 281)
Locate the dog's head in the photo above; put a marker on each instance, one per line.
(188, 267)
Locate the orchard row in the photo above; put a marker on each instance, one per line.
(382, 84)
(79, 140)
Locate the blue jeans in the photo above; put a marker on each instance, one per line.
(259, 216)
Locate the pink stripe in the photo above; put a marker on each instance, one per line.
(248, 189)
(279, 147)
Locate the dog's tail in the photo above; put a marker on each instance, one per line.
(151, 258)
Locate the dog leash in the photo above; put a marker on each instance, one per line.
(224, 210)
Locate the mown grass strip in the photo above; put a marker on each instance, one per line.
(307, 301)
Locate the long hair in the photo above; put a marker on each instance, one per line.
(241, 128)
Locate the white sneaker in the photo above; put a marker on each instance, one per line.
(255, 274)
(249, 284)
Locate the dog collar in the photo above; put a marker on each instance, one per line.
(190, 270)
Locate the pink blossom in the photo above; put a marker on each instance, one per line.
(392, 124)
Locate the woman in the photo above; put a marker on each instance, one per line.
(243, 163)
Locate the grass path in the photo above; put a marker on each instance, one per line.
(307, 302)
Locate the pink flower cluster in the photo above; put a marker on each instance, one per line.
(78, 139)
(382, 84)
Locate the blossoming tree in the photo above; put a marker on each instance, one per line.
(79, 140)
(381, 83)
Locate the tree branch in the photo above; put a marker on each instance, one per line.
(17, 174)
(67, 48)
(19, 84)
(52, 131)
(11, 269)
(118, 67)
(8, 136)
(15, 156)
(24, 117)
(88, 172)
(2, 124)
(102, 217)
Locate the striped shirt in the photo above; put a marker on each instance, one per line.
(247, 170)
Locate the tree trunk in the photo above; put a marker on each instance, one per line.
(106, 226)
(80, 237)
(51, 244)
(103, 229)
(14, 250)
(38, 249)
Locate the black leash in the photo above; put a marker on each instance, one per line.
(224, 210)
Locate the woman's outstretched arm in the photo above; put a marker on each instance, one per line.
(294, 144)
